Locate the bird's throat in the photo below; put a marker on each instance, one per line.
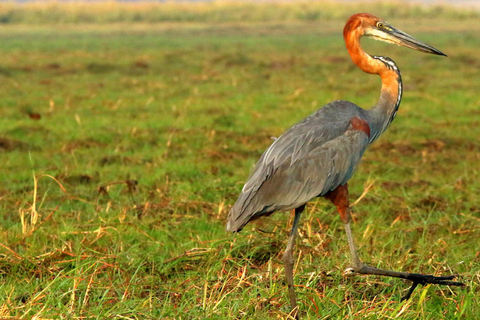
(383, 113)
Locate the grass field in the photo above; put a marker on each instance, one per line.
(123, 147)
(214, 11)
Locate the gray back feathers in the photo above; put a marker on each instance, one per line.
(312, 158)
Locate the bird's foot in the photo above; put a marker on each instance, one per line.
(424, 279)
(416, 278)
(348, 271)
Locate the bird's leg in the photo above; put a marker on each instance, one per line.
(339, 197)
(353, 249)
(288, 260)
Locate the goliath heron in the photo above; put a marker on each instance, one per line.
(318, 155)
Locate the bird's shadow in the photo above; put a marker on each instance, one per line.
(258, 253)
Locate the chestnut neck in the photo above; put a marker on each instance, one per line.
(383, 113)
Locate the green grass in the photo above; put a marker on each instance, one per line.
(152, 129)
(216, 11)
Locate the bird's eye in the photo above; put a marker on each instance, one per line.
(379, 24)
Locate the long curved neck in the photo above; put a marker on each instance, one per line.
(383, 113)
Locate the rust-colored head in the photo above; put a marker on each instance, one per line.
(359, 23)
(365, 24)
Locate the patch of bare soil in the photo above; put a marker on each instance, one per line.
(11, 145)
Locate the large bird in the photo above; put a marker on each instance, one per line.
(318, 155)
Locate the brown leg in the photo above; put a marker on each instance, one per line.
(288, 260)
(339, 197)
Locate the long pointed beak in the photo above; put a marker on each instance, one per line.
(389, 34)
(404, 39)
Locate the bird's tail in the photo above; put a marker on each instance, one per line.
(242, 211)
(231, 226)
(234, 221)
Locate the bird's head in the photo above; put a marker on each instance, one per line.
(365, 24)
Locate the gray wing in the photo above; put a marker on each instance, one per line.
(311, 159)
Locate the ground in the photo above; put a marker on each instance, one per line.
(124, 145)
